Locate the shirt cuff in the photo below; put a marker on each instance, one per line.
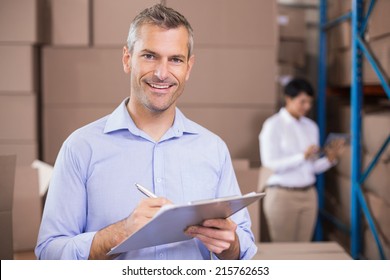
(78, 248)
(248, 247)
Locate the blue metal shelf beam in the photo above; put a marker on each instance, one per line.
(336, 21)
(356, 124)
(321, 111)
(365, 22)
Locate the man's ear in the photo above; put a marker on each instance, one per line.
(126, 59)
(191, 62)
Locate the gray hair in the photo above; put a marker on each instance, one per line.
(161, 16)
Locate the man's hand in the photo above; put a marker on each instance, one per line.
(112, 235)
(219, 236)
(144, 212)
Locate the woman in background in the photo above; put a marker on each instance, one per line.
(289, 146)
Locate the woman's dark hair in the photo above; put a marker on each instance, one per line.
(297, 86)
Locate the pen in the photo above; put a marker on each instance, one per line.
(145, 191)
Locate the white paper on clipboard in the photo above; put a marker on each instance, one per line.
(168, 225)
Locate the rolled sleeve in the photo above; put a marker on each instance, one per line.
(247, 247)
(75, 248)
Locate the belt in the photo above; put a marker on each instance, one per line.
(304, 188)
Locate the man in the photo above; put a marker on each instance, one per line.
(289, 147)
(92, 203)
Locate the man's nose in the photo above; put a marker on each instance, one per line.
(161, 71)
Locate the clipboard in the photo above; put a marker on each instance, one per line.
(337, 136)
(168, 225)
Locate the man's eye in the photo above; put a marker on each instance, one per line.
(176, 60)
(148, 56)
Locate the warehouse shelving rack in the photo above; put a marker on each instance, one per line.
(359, 22)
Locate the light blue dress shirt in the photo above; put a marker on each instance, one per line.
(92, 185)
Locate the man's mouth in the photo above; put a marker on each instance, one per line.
(160, 86)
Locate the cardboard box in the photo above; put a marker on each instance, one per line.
(19, 21)
(59, 122)
(25, 153)
(378, 181)
(293, 53)
(7, 178)
(111, 20)
(285, 69)
(230, 22)
(380, 213)
(222, 76)
(293, 2)
(370, 249)
(339, 67)
(301, 251)
(337, 8)
(70, 22)
(343, 165)
(338, 194)
(6, 245)
(379, 23)
(375, 133)
(247, 180)
(291, 23)
(26, 209)
(86, 76)
(17, 68)
(345, 119)
(240, 164)
(312, 39)
(229, 122)
(18, 119)
(340, 36)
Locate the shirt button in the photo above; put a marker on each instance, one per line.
(159, 180)
(161, 255)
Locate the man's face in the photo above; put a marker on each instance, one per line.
(159, 67)
(300, 105)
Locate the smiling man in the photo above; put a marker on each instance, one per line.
(92, 204)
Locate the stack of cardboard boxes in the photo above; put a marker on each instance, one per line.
(19, 39)
(375, 119)
(378, 40)
(292, 45)
(7, 178)
(378, 182)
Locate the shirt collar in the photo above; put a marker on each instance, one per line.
(120, 119)
(287, 116)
